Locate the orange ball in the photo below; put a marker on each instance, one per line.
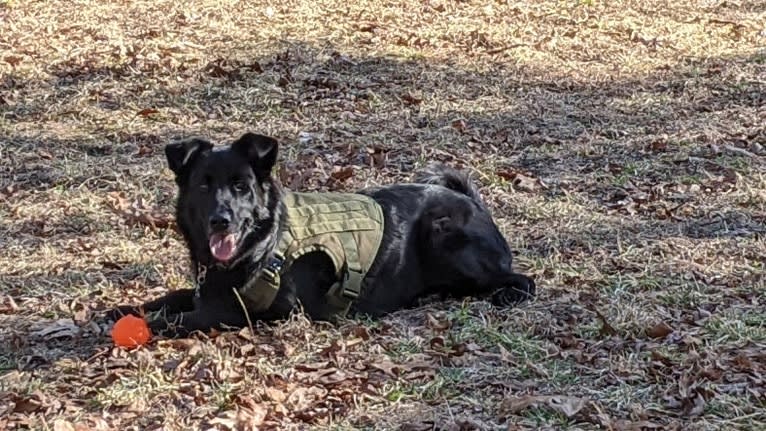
(131, 331)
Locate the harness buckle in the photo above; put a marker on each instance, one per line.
(349, 289)
(274, 267)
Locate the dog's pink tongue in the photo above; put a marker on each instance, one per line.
(223, 246)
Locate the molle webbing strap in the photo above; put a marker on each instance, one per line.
(261, 291)
(348, 228)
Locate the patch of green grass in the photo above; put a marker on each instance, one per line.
(7, 362)
(740, 164)
(223, 393)
(725, 405)
(623, 396)
(400, 391)
(737, 326)
(514, 340)
(589, 330)
(689, 179)
(444, 385)
(26, 385)
(685, 296)
(403, 349)
(146, 384)
(543, 416)
(629, 171)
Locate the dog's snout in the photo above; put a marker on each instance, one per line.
(220, 220)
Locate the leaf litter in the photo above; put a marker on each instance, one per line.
(629, 183)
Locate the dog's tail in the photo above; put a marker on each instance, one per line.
(443, 175)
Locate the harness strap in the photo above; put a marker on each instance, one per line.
(262, 290)
(343, 293)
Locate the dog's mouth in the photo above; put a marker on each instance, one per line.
(223, 246)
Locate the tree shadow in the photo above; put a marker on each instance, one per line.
(604, 140)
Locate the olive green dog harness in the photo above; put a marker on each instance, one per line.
(347, 227)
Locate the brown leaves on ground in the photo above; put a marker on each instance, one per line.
(660, 330)
(569, 406)
(139, 212)
(621, 151)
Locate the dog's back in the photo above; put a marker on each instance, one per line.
(445, 176)
(439, 237)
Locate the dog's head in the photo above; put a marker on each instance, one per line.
(465, 243)
(227, 199)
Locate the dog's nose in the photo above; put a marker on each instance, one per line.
(220, 221)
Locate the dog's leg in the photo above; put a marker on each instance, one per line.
(175, 302)
(518, 288)
(224, 313)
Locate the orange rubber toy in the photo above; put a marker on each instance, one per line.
(131, 331)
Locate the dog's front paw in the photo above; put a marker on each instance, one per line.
(519, 289)
(168, 328)
(116, 314)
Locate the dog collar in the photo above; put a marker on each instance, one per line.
(200, 279)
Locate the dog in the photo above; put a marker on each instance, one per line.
(398, 243)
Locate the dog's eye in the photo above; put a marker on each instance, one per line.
(205, 184)
(240, 186)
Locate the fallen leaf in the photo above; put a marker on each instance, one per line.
(62, 425)
(506, 175)
(8, 305)
(660, 330)
(378, 157)
(28, 404)
(520, 181)
(138, 211)
(304, 397)
(242, 418)
(410, 99)
(387, 367)
(275, 394)
(606, 328)
(361, 332)
(144, 150)
(342, 174)
(315, 366)
(525, 183)
(439, 323)
(12, 60)
(459, 125)
(628, 425)
(147, 112)
(569, 406)
(515, 405)
(743, 362)
(698, 406)
(420, 426)
(61, 328)
(659, 146)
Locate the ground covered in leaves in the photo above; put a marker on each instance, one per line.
(619, 144)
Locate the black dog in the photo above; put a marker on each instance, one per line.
(435, 236)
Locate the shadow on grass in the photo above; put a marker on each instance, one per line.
(547, 127)
(598, 135)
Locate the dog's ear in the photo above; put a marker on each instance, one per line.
(445, 223)
(181, 155)
(260, 151)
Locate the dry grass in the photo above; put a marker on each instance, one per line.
(620, 145)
